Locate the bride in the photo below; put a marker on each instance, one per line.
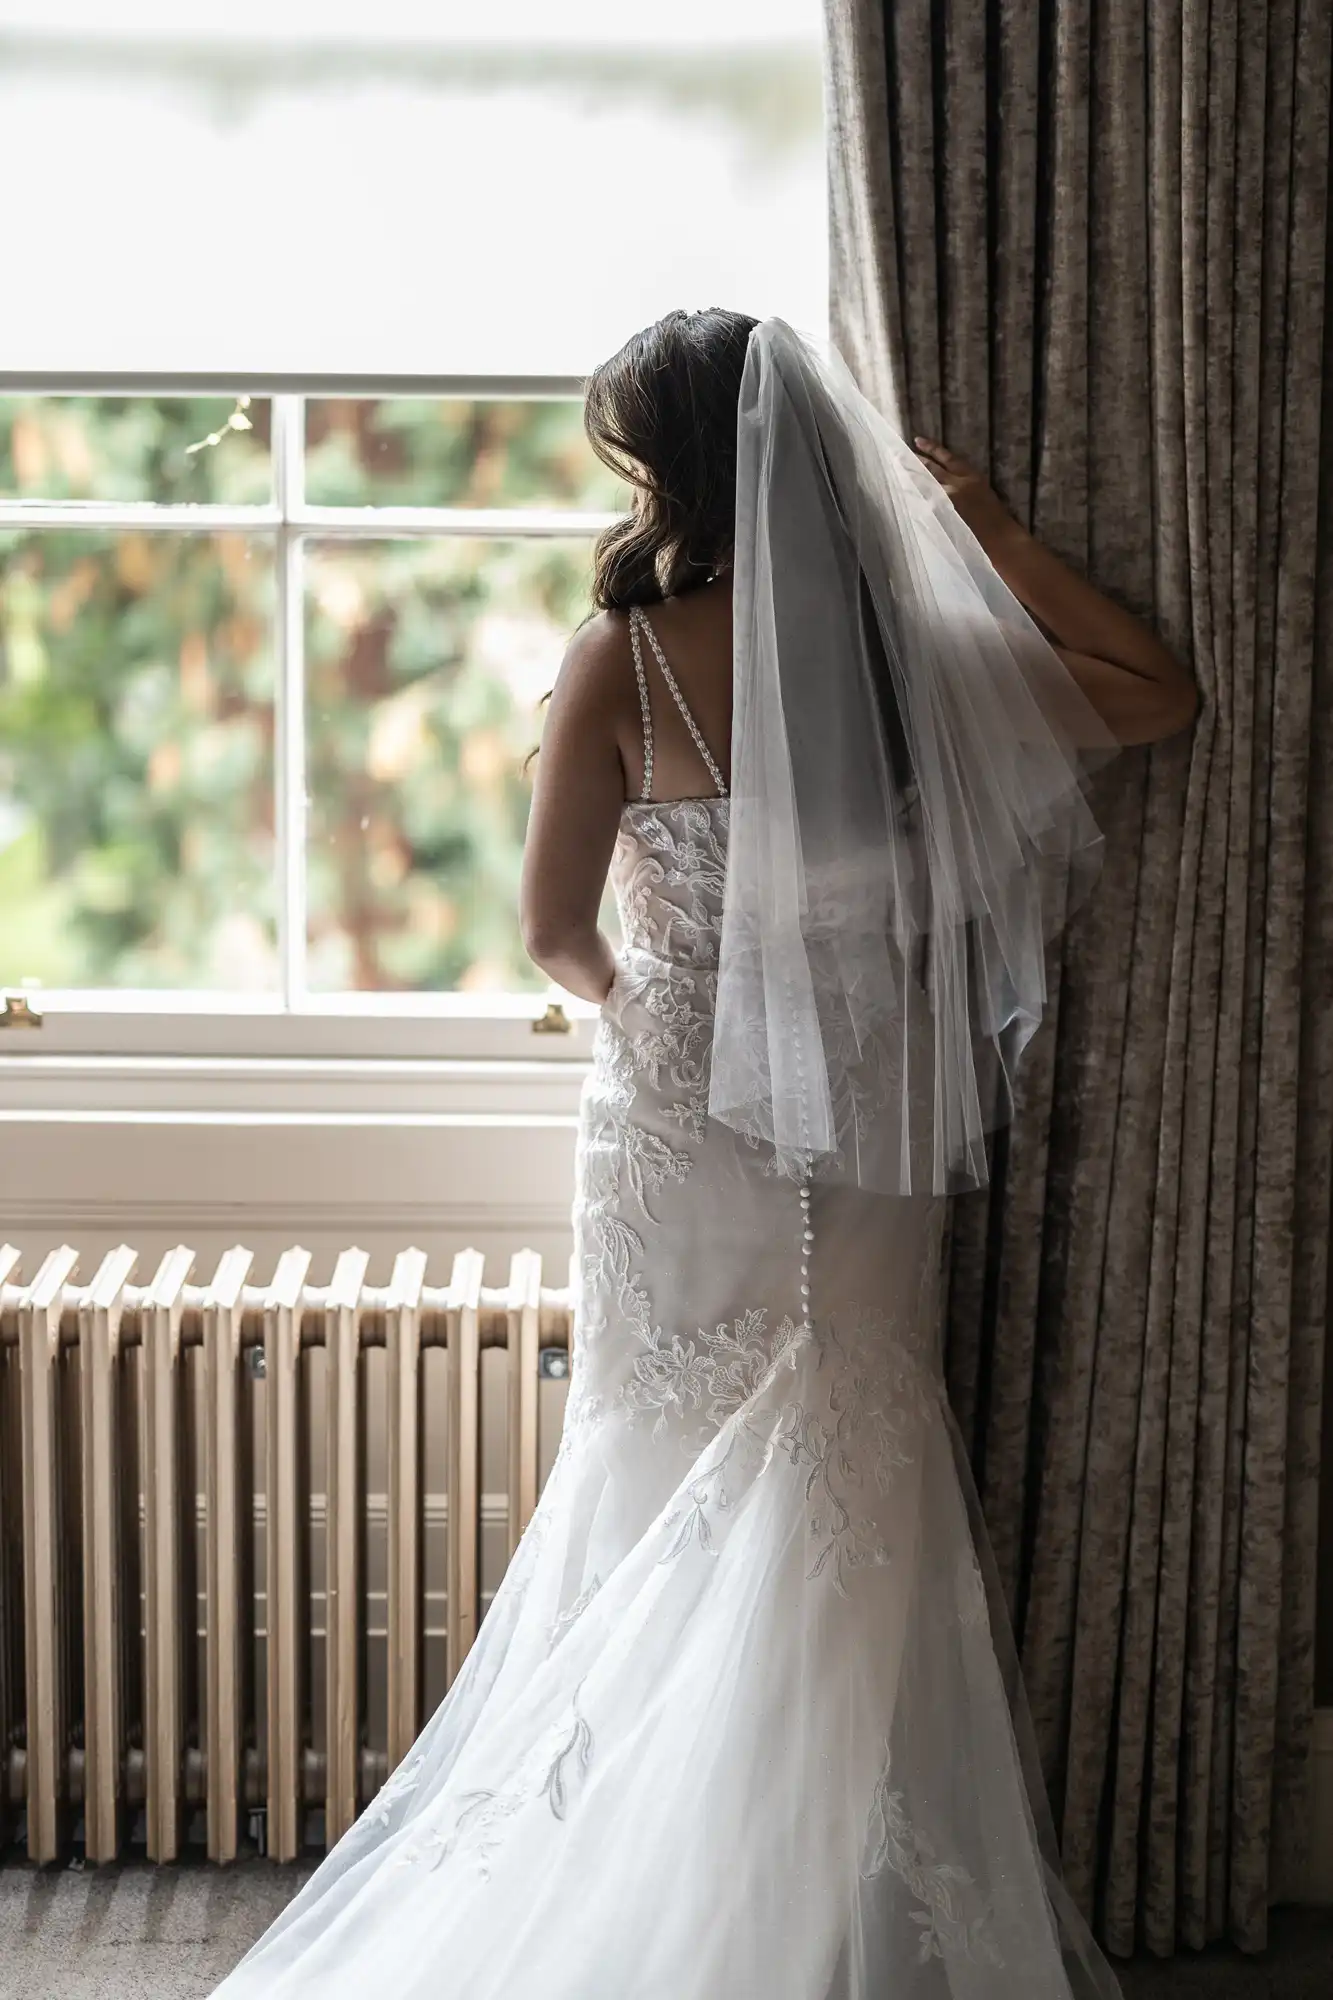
(742, 1722)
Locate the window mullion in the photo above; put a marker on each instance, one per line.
(289, 640)
(120, 517)
(430, 523)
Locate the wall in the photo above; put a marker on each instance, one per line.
(495, 1180)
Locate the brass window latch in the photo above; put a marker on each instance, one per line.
(555, 1021)
(19, 1010)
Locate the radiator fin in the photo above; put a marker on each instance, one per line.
(147, 1419)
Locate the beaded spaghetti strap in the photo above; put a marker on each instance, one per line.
(644, 705)
(637, 618)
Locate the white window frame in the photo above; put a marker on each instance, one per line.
(126, 1030)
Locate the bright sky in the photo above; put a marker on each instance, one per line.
(389, 223)
(547, 21)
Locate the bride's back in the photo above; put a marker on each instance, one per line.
(694, 632)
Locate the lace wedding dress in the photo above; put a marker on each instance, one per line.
(735, 1726)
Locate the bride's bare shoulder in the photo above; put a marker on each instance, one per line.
(597, 671)
(600, 640)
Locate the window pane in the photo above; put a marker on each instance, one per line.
(165, 448)
(426, 663)
(136, 760)
(418, 452)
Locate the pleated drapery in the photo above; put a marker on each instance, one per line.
(1089, 248)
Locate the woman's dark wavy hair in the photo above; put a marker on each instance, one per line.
(662, 414)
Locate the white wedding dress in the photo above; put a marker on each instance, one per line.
(735, 1726)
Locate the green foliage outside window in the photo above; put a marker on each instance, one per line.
(137, 696)
(426, 661)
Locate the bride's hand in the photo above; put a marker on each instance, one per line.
(975, 499)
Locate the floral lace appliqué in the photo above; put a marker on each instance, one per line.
(570, 1764)
(554, 1770)
(973, 1609)
(955, 1920)
(854, 1430)
(713, 1373)
(573, 1612)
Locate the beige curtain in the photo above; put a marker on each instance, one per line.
(1088, 246)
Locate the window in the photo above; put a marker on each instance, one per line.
(295, 505)
(260, 743)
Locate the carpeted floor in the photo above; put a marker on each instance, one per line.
(133, 1932)
(140, 1933)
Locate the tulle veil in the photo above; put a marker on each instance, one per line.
(909, 823)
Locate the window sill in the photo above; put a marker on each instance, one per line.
(142, 1034)
(206, 1127)
(239, 1091)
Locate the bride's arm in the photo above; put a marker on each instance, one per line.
(578, 793)
(1137, 685)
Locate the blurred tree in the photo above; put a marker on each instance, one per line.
(411, 452)
(137, 735)
(425, 661)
